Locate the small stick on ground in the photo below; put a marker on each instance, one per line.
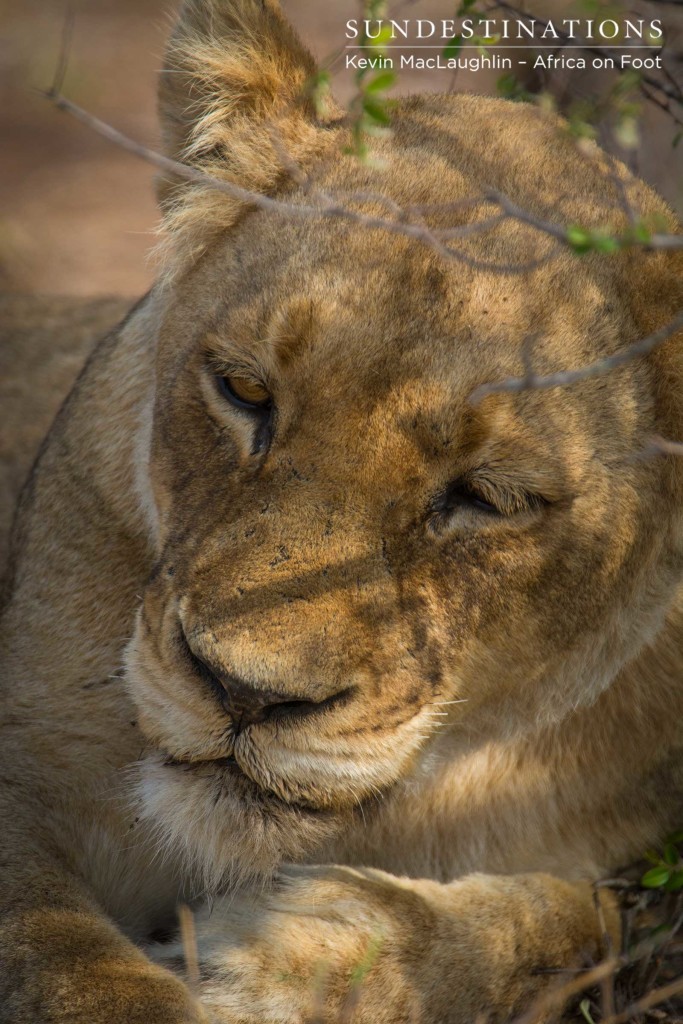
(188, 937)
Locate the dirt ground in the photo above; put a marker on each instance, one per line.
(77, 215)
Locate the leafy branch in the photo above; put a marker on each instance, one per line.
(370, 111)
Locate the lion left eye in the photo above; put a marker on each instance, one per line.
(484, 501)
(464, 495)
(244, 393)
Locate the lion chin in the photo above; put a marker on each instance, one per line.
(226, 828)
(236, 802)
(235, 818)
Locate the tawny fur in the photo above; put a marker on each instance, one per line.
(509, 721)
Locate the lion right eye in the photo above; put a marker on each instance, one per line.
(484, 500)
(462, 494)
(244, 393)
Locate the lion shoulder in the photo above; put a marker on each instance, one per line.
(44, 341)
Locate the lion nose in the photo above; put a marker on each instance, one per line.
(246, 703)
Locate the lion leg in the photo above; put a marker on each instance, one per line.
(331, 941)
(62, 960)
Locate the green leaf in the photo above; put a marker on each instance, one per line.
(675, 882)
(483, 41)
(578, 238)
(320, 92)
(655, 878)
(509, 86)
(605, 243)
(377, 44)
(359, 150)
(384, 80)
(376, 111)
(671, 855)
(585, 1007)
(453, 47)
(582, 240)
(626, 132)
(641, 233)
(506, 84)
(361, 970)
(464, 7)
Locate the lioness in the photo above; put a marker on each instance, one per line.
(281, 592)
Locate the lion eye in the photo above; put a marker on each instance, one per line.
(483, 500)
(244, 393)
(462, 495)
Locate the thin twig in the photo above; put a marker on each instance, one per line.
(607, 983)
(331, 209)
(325, 205)
(403, 224)
(654, 998)
(664, 103)
(669, 89)
(555, 997)
(64, 53)
(653, 242)
(188, 936)
(564, 378)
(662, 446)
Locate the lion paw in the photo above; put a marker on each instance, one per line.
(323, 942)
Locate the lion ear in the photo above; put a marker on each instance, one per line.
(235, 100)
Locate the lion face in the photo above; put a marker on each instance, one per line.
(354, 559)
(352, 554)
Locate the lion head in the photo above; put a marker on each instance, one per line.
(350, 550)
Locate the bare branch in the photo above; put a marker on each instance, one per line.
(654, 998)
(564, 378)
(64, 51)
(518, 213)
(555, 997)
(188, 936)
(409, 222)
(326, 207)
(664, 103)
(607, 987)
(662, 446)
(561, 233)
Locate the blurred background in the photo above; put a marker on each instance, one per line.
(77, 214)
